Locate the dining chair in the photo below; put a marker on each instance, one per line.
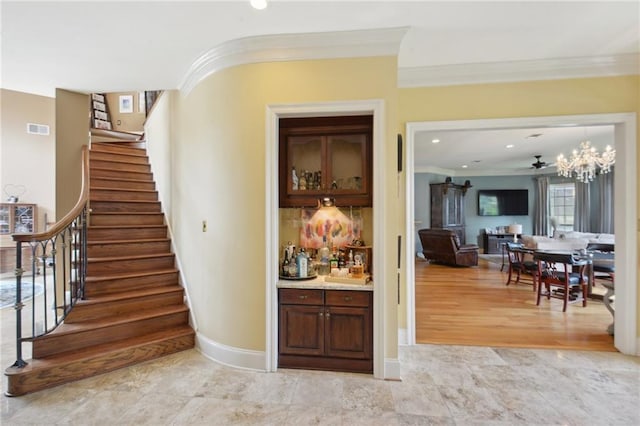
(518, 265)
(563, 277)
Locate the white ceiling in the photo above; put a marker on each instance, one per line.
(485, 152)
(116, 46)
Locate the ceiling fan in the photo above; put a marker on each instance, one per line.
(539, 164)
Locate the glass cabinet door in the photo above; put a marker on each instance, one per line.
(305, 156)
(23, 219)
(346, 165)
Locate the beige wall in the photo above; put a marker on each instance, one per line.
(523, 99)
(125, 122)
(158, 136)
(218, 174)
(72, 132)
(27, 159)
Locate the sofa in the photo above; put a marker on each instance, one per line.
(443, 246)
(566, 240)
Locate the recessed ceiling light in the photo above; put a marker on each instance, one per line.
(464, 166)
(435, 140)
(534, 135)
(259, 4)
(510, 146)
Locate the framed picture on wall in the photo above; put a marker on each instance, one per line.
(126, 103)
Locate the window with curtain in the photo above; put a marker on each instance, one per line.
(562, 197)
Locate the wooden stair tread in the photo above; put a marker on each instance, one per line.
(136, 213)
(105, 277)
(93, 198)
(147, 240)
(113, 179)
(94, 324)
(125, 226)
(129, 154)
(64, 358)
(128, 257)
(130, 294)
(94, 168)
(104, 188)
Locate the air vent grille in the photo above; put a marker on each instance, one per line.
(38, 129)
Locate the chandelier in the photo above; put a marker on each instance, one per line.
(584, 163)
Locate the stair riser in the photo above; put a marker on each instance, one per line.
(124, 184)
(98, 219)
(83, 312)
(115, 148)
(97, 288)
(127, 167)
(129, 248)
(110, 234)
(121, 174)
(129, 266)
(122, 194)
(125, 207)
(37, 380)
(53, 344)
(120, 157)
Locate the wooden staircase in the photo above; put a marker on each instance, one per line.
(134, 307)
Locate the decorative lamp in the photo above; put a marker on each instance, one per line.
(515, 229)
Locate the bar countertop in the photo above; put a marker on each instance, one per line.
(320, 283)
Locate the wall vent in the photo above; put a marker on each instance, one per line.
(38, 129)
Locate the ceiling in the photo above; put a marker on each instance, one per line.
(503, 151)
(91, 46)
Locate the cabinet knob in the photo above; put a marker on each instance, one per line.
(348, 298)
(328, 313)
(302, 297)
(320, 313)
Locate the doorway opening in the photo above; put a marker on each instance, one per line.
(625, 215)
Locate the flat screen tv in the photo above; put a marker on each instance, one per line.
(503, 202)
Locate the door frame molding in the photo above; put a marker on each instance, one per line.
(272, 249)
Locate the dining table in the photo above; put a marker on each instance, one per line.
(593, 258)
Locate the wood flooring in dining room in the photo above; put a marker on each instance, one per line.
(473, 306)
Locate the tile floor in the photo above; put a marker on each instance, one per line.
(448, 385)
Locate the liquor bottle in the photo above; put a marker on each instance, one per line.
(333, 262)
(302, 263)
(350, 259)
(324, 256)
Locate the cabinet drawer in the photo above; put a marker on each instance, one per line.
(295, 296)
(347, 298)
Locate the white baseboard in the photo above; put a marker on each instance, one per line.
(403, 337)
(228, 355)
(392, 369)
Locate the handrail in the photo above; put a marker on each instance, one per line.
(73, 213)
(61, 254)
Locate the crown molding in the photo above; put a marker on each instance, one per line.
(292, 47)
(540, 69)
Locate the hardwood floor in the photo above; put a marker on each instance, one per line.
(473, 306)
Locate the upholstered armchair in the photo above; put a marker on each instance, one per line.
(443, 246)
